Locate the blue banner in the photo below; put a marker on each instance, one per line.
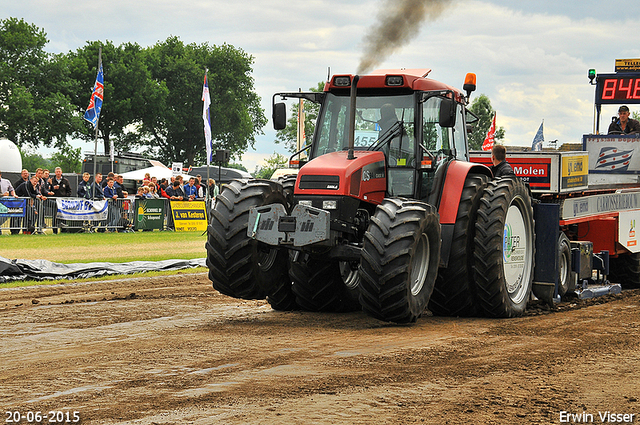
(12, 207)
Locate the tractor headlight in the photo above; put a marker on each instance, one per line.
(305, 203)
(330, 205)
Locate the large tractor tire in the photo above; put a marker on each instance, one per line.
(454, 292)
(318, 285)
(504, 249)
(281, 296)
(565, 282)
(239, 266)
(625, 270)
(288, 183)
(399, 263)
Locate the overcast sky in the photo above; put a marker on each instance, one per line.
(531, 57)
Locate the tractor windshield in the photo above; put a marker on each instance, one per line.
(382, 122)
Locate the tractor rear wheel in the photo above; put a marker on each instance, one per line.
(239, 266)
(399, 262)
(504, 249)
(453, 294)
(318, 285)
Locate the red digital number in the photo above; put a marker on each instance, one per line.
(636, 89)
(609, 89)
(622, 88)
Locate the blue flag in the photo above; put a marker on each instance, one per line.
(538, 139)
(95, 104)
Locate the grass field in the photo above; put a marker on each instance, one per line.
(103, 247)
(111, 247)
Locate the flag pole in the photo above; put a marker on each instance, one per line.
(210, 150)
(95, 145)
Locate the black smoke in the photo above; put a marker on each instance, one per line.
(398, 23)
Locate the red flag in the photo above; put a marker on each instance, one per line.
(488, 141)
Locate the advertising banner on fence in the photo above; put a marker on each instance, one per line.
(81, 209)
(189, 216)
(12, 207)
(149, 214)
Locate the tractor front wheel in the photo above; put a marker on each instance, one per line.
(400, 257)
(239, 266)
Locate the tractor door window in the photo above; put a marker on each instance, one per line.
(434, 137)
(332, 126)
(460, 135)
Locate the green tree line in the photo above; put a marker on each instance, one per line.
(152, 96)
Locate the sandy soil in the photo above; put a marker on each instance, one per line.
(171, 350)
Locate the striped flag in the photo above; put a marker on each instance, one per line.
(92, 113)
(206, 117)
(610, 158)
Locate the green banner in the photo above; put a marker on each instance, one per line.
(149, 214)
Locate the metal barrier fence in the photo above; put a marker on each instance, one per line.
(35, 216)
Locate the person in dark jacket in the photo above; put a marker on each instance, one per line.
(500, 167)
(15, 221)
(31, 189)
(84, 187)
(60, 185)
(61, 188)
(624, 124)
(97, 192)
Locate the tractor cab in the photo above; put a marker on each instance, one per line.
(417, 123)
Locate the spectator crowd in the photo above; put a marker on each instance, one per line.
(40, 186)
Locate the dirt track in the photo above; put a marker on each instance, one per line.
(172, 350)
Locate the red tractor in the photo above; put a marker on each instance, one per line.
(388, 214)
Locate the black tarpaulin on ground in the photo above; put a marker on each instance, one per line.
(46, 270)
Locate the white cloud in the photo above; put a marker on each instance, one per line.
(531, 58)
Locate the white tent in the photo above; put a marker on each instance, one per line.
(155, 171)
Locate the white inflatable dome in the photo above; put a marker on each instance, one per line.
(10, 158)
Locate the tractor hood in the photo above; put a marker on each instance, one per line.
(333, 174)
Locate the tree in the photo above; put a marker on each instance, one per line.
(67, 158)
(236, 166)
(274, 162)
(35, 108)
(481, 106)
(32, 161)
(236, 116)
(131, 97)
(289, 135)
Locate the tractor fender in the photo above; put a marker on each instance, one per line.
(453, 184)
(456, 175)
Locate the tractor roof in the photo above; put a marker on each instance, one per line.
(412, 79)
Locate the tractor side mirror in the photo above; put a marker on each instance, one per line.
(279, 116)
(447, 113)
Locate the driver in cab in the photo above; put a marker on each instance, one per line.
(394, 151)
(624, 124)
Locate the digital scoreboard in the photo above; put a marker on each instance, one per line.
(619, 88)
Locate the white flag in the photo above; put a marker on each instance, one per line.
(206, 117)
